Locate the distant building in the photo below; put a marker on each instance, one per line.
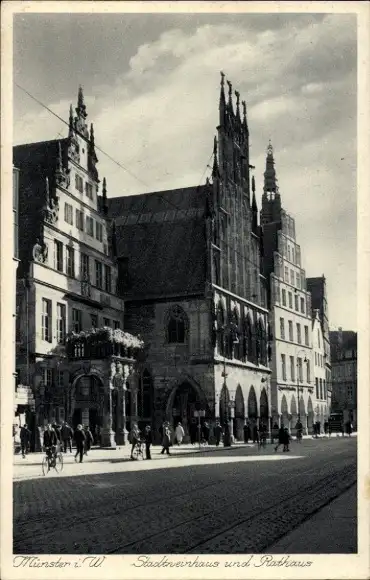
(343, 345)
(321, 405)
(190, 266)
(66, 284)
(319, 302)
(289, 302)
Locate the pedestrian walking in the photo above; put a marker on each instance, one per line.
(80, 438)
(179, 432)
(349, 428)
(193, 432)
(275, 432)
(281, 437)
(299, 428)
(148, 439)
(25, 437)
(326, 427)
(255, 433)
(166, 439)
(89, 439)
(67, 435)
(205, 431)
(218, 433)
(318, 428)
(286, 439)
(134, 438)
(247, 432)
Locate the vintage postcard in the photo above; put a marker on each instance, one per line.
(185, 290)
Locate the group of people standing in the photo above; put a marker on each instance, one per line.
(63, 435)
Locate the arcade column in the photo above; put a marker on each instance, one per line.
(107, 433)
(133, 380)
(120, 383)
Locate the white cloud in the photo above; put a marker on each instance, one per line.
(160, 117)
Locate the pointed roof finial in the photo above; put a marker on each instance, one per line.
(92, 136)
(81, 107)
(70, 118)
(230, 95)
(245, 123)
(253, 185)
(237, 94)
(105, 201)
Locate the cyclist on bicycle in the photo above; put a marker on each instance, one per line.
(299, 428)
(134, 438)
(50, 443)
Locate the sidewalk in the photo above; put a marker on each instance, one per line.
(332, 530)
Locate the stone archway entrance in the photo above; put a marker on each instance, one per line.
(239, 415)
(181, 407)
(88, 404)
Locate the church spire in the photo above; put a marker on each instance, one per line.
(222, 103)
(270, 185)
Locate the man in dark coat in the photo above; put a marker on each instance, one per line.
(25, 436)
(218, 433)
(247, 432)
(281, 437)
(67, 434)
(80, 440)
(89, 440)
(148, 441)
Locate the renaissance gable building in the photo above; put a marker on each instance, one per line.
(191, 271)
(71, 350)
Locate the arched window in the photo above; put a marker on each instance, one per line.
(177, 325)
(234, 335)
(261, 346)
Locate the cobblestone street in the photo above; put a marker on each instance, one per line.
(236, 500)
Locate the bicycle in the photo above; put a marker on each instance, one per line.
(138, 451)
(52, 459)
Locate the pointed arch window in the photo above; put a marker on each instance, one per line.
(234, 342)
(261, 345)
(248, 338)
(177, 325)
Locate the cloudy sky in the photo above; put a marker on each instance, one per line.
(151, 85)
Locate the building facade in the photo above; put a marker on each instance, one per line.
(321, 404)
(343, 345)
(190, 265)
(71, 346)
(319, 301)
(292, 381)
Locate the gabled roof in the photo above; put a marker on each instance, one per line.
(162, 236)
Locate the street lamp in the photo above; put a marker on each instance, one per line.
(229, 403)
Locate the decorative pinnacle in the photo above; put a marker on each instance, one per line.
(237, 94)
(253, 185)
(230, 90)
(215, 162)
(244, 105)
(70, 118)
(81, 107)
(92, 137)
(104, 187)
(222, 78)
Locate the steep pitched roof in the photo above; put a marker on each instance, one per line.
(162, 237)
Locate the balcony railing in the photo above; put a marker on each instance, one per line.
(103, 343)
